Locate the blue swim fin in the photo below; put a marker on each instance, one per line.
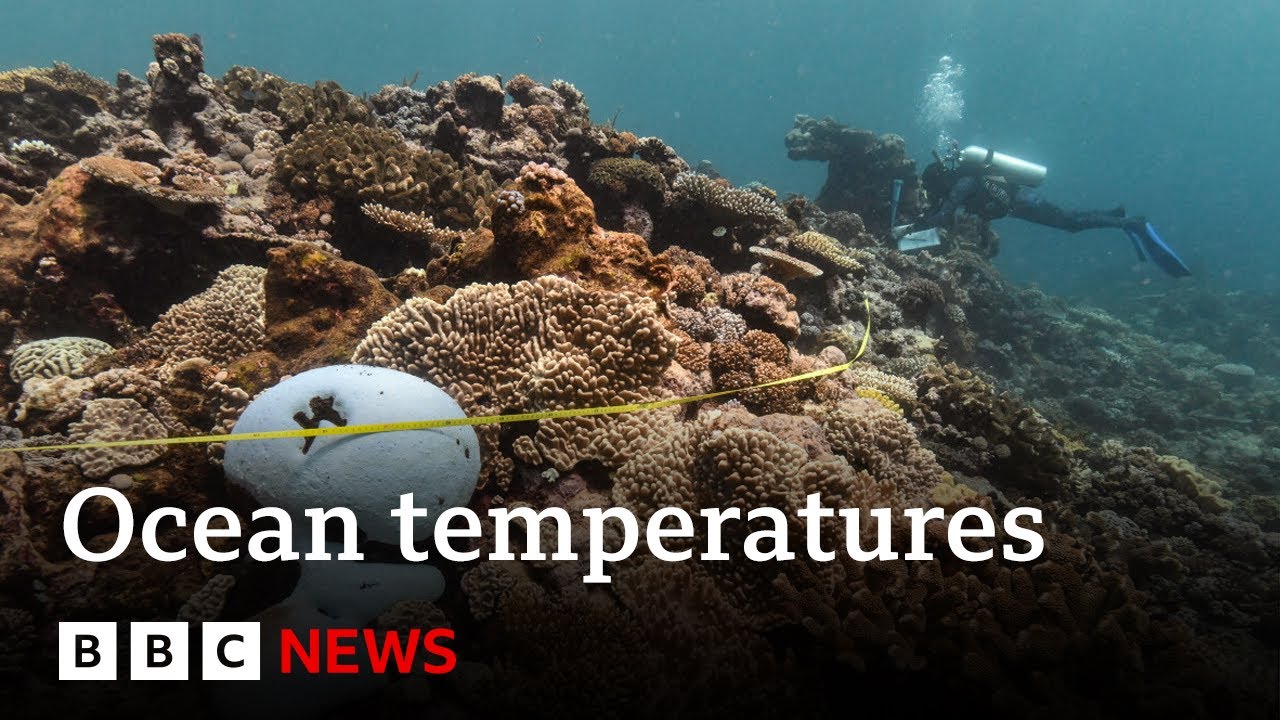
(1137, 244)
(1162, 255)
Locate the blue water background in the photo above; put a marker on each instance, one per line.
(1166, 106)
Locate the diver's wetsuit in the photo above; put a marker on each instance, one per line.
(993, 198)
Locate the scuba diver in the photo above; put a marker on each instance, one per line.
(992, 185)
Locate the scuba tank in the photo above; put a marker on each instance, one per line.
(981, 161)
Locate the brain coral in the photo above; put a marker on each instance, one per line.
(53, 357)
(112, 419)
(220, 324)
(536, 345)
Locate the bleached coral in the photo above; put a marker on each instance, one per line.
(900, 389)
(110, 420)
(219, 324)
(54, 356)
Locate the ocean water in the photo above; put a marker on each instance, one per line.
(1162, 106)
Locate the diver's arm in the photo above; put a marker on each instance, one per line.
(960, 191)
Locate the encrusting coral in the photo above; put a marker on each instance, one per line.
(144, 180)
(552, 229)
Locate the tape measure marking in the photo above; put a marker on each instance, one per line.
(456, 422)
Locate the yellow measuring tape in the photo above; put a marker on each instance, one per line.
(456, 422)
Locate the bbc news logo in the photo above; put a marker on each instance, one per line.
(233, 651)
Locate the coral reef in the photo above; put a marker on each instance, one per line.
(551, 228)
(171, 247)
(861, 168)
(368, 164)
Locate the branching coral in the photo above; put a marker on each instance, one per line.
(412, 223)
(829, 251)
(735, 205)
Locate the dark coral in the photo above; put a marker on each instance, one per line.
(53, 105)
(369, 164)
(990, 434)
(758, 357)
(861, 168)
(552, 230)
(626, 191)
(296, 104)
